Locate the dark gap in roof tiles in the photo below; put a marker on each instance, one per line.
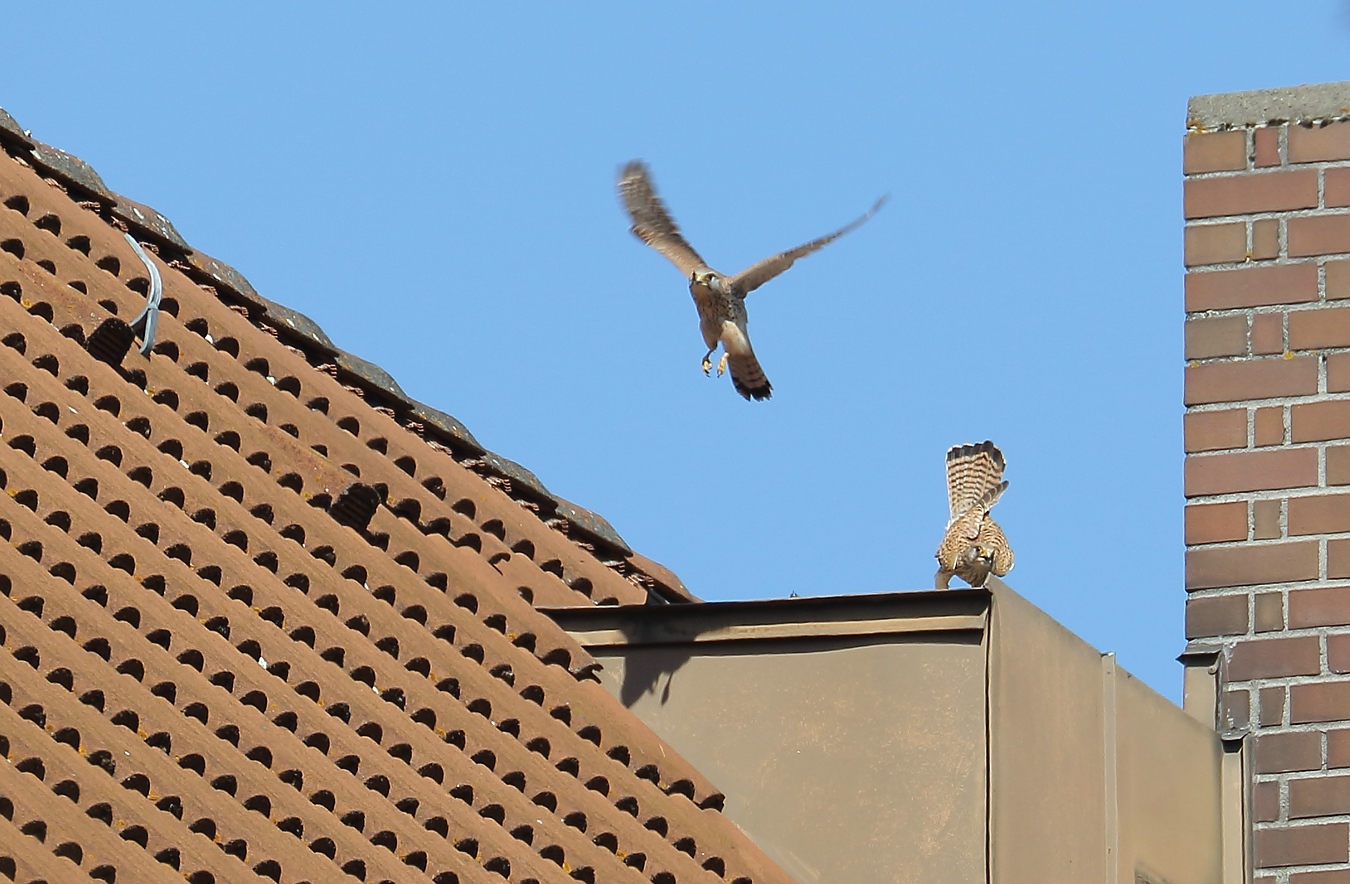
(110, 341)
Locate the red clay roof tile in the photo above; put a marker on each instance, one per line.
(262, 613)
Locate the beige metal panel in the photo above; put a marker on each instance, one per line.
(846, 760)
(1168, 788)
(1200, 685)
(1237, 802)
(1047, 762)
(935, 737)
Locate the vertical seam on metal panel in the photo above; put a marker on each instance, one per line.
(1110, 776)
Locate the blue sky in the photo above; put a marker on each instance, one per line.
(434, 184)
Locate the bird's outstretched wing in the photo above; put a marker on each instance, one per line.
(651, 222)
(756, 275)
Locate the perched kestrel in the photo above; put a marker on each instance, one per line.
(720, 299)
(974, 544)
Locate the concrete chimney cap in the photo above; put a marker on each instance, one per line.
(1298, 104)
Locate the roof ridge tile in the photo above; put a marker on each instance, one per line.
(148, 222)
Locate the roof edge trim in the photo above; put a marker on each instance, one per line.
(950, 623)
(928, 611)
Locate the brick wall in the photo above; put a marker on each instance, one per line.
(1267, 437)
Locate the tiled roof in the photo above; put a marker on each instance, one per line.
(263, 614)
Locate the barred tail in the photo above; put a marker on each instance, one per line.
(748, 377)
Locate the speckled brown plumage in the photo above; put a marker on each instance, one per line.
(974, 545)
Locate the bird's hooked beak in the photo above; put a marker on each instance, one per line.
(708, 278)
(977, 553)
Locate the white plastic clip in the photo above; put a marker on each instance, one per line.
(144, 324)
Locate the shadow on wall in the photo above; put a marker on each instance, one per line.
(646, 673)
(651, 672)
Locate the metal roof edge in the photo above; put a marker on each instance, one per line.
(817, 616)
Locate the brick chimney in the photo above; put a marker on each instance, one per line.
(1267, 436)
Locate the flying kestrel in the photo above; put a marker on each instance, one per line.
(974, 545)
(720, 299)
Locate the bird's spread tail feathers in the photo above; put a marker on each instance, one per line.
(748, 378)
(974, 474)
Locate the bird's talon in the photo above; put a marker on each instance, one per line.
(707, 365)
(722, 365)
